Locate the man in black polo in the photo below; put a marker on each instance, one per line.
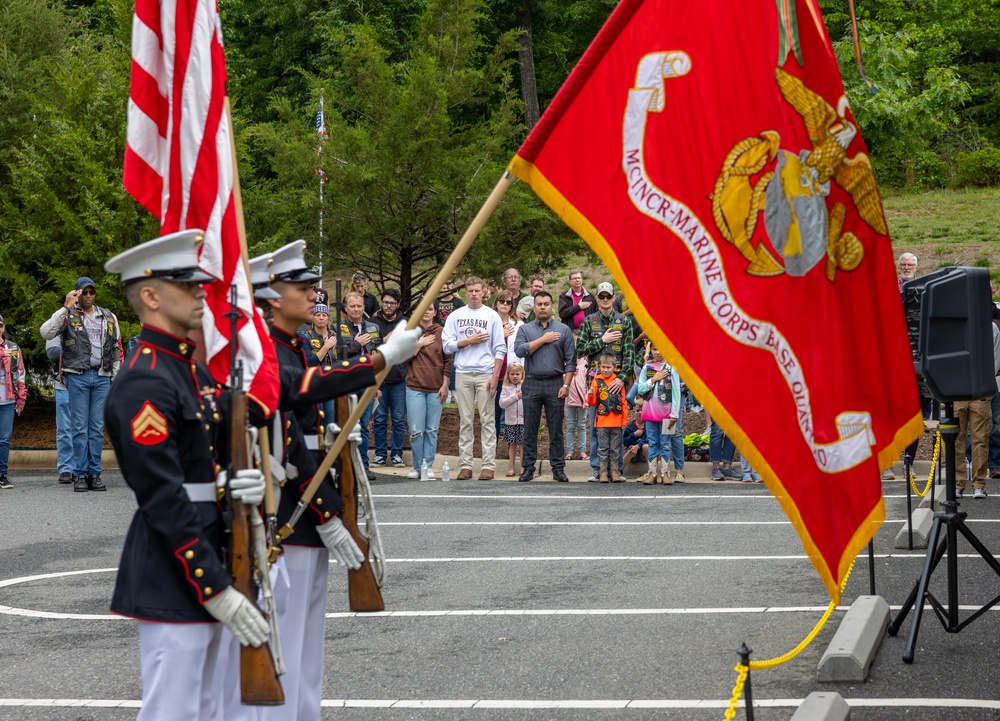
(550, 362)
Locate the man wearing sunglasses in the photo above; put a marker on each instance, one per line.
(91, 357)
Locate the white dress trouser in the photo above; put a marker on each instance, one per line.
(302, 623)
(182, 677)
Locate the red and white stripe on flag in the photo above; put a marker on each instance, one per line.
(179, 165)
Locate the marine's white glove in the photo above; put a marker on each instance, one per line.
(340, 544)
(241, 617)
(401, 346)
(247, 487)
(332, 429)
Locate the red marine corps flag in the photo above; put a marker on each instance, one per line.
(179, 164)
(707, 153)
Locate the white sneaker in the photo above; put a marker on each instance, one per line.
(888, 475)
(430, 475)
(978, 493)
(414, 473)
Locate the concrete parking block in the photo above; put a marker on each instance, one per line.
(854, 645)
(939, 493)
(923, 519)
(823, 706)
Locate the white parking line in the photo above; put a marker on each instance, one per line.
(584, 523)
(617, 559)
(627, 523)
(610, 611)
(763, 495)
(584, 612)
(568, 497)
(952, 703)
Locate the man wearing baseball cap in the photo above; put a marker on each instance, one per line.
(166, 417)
(606, 331)
(91, 357)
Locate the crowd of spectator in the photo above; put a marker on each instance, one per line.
(579, 359)
(575, 365)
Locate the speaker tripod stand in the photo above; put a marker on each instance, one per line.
(952, 522)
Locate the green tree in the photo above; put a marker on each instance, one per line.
(936, 73)
(911, 109)
(65, 211)
(33, 36)
(414, 148)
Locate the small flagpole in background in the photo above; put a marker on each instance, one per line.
(321, 132)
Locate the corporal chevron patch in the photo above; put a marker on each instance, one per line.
(149, 427)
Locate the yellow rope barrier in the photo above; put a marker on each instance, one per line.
(930, 477)
(742, 671)
(741, 678)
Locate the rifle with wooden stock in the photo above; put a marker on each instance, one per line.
(259, 684)
(363, 590)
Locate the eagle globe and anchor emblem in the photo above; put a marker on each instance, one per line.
(791, 193)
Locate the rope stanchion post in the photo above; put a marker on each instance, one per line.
(909, 501)
(871, 567)
(743, 667)
(744, 652)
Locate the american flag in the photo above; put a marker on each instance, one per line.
(321, 133)
(179, 164)
(320, 123)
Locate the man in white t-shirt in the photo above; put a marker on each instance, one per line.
(474, 335)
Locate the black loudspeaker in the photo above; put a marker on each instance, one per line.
(948, 316)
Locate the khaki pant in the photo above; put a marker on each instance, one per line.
(976, 416)
(471, 391)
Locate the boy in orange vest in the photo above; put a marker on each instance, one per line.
(611, 416)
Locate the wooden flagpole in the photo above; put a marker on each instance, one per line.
(241, 228)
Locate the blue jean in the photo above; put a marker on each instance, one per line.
(393, 402)
(594, 464)
(720, 448)
(498, 413)
(677, 443)
(366, 419)
(666, 446)
(632, 393)
(87, 393)
(576, 429)
(7, 413)
(329, 409)
(64, 431)
(655, 439)
(424, 412)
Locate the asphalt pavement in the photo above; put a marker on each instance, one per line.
(509, 600)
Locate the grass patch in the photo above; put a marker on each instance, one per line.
(963, 225)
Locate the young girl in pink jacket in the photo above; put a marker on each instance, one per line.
(577, 412)
(513, 409)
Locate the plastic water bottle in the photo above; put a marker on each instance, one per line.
(423, 470)
(445, 471)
